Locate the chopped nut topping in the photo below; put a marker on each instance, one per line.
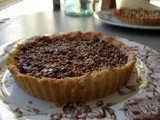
(140, 13)
(70, 56)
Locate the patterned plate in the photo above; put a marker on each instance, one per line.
(139, 99)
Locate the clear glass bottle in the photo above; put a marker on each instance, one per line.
(78, 7)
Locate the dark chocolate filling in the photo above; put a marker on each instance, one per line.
(70, 56)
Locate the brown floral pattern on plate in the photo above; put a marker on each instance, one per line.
(144, 103)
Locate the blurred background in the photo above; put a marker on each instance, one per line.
(14, 8)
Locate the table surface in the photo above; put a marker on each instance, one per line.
(54, 22)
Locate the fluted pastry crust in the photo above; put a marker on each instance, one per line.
(138, 16)
(91, 85)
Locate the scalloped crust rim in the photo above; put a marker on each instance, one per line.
(89, 86)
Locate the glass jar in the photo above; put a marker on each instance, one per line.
(78, 7)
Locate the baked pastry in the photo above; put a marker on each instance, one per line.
(138, 16)
(69, 67)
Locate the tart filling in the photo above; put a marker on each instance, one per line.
(71, 67)
(138, 16)
(68, 57)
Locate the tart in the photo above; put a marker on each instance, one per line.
(138, 16)
(71, 67)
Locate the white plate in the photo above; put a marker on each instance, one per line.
(108, 18)
(138, 99)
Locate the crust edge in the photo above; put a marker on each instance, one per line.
(90, 86)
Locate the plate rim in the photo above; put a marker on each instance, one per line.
(99, 15)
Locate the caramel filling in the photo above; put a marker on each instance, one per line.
(70, 56)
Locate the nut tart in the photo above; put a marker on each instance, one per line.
(71, 67)
(138, 16)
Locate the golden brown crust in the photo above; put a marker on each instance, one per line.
(89, 86)
(135, 19)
